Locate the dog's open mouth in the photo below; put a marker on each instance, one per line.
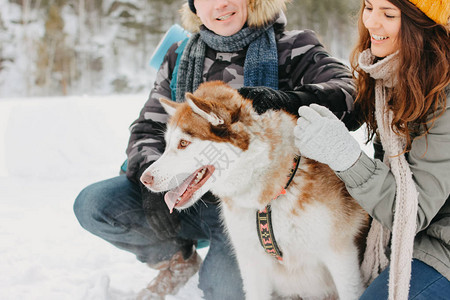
(183, 193)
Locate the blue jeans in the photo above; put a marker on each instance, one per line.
(112, 210)
(426, 284)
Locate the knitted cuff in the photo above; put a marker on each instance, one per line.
(359, 173)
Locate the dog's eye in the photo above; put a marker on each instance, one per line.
(183, 144)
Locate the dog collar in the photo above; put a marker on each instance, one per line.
(264, 219)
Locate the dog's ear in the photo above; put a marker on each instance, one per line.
(203, 109)
(169, 106)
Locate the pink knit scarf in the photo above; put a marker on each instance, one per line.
(406, 200)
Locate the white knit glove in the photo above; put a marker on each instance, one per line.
(321, 136)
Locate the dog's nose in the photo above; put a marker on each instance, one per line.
(147, 179)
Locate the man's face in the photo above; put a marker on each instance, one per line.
(223, 17)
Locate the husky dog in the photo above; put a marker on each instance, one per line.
(291, 221)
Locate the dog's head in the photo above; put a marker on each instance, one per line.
(204, 139)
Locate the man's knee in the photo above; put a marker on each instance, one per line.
(87, 205)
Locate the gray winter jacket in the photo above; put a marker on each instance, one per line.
(304, 65)
(372, 184)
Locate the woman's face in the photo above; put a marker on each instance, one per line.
(383, 21)
(223, 17)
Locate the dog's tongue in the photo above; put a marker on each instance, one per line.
(172, 196)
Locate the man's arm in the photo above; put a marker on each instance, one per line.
(308, 74)
(146, 142)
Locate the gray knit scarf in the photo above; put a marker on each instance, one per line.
(406, 199)
(261, 61)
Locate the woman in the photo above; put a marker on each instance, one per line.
(401, 67)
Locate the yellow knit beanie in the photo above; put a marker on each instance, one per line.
(436, 10)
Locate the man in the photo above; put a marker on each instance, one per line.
(242, 42)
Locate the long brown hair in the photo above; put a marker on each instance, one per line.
(422, 79)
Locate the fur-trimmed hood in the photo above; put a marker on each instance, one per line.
(260, 12)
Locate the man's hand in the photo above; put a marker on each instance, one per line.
(264, 98)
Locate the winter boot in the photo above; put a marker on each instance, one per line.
(173, 275)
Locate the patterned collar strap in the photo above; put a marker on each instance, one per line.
(265, 233)
(264, 220)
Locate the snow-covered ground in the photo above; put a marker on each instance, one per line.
(50, 148)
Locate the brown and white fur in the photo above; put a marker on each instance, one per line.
(316, 223)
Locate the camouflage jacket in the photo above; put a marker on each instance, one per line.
(304, 65)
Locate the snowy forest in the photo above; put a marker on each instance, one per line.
(100, 47)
